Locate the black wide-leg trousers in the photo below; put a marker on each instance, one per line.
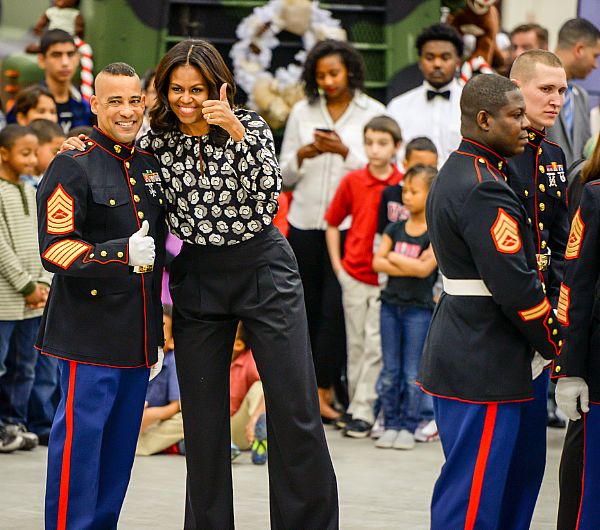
(257, 282)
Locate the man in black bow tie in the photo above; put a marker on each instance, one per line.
(432, 109)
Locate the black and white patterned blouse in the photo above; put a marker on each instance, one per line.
(218, 195)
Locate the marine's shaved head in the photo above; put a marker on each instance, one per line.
(525, 65)
(484, 92)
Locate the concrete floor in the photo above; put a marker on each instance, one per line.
(379, 489)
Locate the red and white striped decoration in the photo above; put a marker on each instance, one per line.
(87, 68)
(475, 65)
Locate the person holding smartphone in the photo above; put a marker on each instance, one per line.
(323, 142)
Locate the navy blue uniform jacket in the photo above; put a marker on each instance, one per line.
(89, 204)
(579, 302)
(538, 178)
(479, 348)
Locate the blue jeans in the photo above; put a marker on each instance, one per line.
(403, 332)
(45, 395)
(17, 367)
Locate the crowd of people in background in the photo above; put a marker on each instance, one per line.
(358, 174)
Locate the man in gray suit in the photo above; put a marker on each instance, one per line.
(578, 49)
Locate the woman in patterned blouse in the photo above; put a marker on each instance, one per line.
(221, 180)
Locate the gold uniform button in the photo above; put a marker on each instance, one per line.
(127, 164)
(550, 320)
(544, 244)
(554, 332)
(540, 151)
(529, 220)
(557, 369)
(526, 193)
(160, 201)
(141, 215)
(103, 253)
(132, 181)
(558, 193)
(112, 202)
(541, 168)
(542, 206)
(93, 292)
(542, 188)
(482, 160)
(92, 255)
(541, 225)
(560, 343)
(136, 198)
(120, 254)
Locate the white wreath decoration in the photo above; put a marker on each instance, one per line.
(274, 95)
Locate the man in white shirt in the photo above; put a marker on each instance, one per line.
(432, 109)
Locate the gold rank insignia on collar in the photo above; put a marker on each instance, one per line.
(500, 164)
(531, 135)
(117, 148)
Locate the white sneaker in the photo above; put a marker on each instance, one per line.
(427, 432)
(387, 439)
(405, 440)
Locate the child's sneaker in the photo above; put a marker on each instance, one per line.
(358, 429)
(387, 439)
(259, 446)
(30, 439)
(235, 451)
(405, 440)
(9, 442)
(427, 432)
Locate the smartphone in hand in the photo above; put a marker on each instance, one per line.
(324, 130)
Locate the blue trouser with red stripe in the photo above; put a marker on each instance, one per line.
(529, 460)
(480, 443)
(92, 445)
(579, 508)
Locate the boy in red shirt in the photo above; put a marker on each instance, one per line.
(358, 195)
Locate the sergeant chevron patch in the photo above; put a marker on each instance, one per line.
(537, 311)
(59, 208)
(65, 252)
(562, 311)
(575, 237)
(505, 233)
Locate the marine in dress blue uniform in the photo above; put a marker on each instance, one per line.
(579, 508)
(103, 318)
(492, 314)
(538, 178)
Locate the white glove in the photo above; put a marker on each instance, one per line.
(538, 363)
(568, 390)
(141, 247)
(155, 369)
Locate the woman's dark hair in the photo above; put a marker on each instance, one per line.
(208, 60)
(28, 98)
(351, 58)
(591, 167)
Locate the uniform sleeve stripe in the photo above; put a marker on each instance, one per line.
(60, 212)
(65, 252)
(575, 237)
(562, 309)
(505, 233)
(535, 312)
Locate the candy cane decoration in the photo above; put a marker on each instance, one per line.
(87, 68)
(472, 66)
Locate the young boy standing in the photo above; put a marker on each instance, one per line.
(358, 195)
(23, 285)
